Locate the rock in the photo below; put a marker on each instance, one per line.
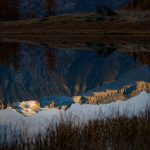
(84, 100)
(81, 99)
(76, 99)
(52, 105)
(1, 105)
(111, 95)
(64, 107)
(141, 86)
(58, 102)
(27, 108)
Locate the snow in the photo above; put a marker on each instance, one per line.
(78, 113)
(131, 107)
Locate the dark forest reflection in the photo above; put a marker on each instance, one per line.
(32, 72)
(23, 9)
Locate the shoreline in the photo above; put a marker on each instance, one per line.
(76, 40)
(124, 23)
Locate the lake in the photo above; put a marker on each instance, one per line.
(35, 71)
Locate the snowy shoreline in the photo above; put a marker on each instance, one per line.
(100, 96)
(77, 113)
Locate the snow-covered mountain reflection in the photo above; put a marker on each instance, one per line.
(32, 72)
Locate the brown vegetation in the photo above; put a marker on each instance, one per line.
(80, 24)
(110, 95)
(116, 133)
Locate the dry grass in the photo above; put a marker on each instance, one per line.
(81, 24)
(120, 133)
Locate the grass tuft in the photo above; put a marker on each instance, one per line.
(115, 133)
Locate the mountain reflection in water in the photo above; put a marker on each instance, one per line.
(33, 72)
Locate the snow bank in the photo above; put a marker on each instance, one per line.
(131, 107)
(79, 113)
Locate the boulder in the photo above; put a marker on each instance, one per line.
(58, 102)
(81, 99)
(77, 99)
(27, 108)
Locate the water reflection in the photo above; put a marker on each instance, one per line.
(32, 72)
(23, 9)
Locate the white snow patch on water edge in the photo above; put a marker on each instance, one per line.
(78, 113)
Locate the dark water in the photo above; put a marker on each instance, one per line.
(29, 72)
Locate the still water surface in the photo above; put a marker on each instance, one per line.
(30, 72)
